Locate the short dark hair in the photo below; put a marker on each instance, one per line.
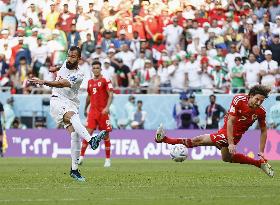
(139, 101)
(75, 48)
(214, 96)
(96, 63)
(259, 89)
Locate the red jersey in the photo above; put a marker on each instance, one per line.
(125, 24)
(245, 116)
(98, 91)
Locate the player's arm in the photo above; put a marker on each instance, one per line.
(63, 83)
(109, 102)
(262, 123)
(263, 140)
(87, 104)
(230, 123)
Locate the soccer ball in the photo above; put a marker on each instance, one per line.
(179, 153)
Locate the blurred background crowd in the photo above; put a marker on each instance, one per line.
(155, 46)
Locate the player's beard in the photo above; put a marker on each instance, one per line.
(71, 66)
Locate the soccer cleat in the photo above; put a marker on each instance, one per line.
(94, 141)
(267, 168)
(107, 163)
(81, 160)
(160, 134)
(77, 175)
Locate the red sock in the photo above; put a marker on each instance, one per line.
(169, 140)
(84, 148)
(107, 148)
(242, 159)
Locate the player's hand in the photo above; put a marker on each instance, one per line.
(105, 111)
(232, 149)
(36, 81)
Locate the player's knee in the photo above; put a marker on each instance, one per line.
(226, 158)
(67, 116)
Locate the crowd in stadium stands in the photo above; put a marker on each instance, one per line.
(155, 46)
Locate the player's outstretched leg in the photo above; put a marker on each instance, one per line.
(243, 159)
(107, 151)
(202, 140)
(83, 151)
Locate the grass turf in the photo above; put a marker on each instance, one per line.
(47, 181)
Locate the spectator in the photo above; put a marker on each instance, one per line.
(147, 77)
(176, 75)
(98, 54)
(129, 109)
(126, 55)
(251, 72)
(139, 117)
(172, 34)
(123, 74)
(274, 10)
(52, 17)
(162, 73)
(229, 59)
(193, 73)
(18, 125)
(108, 71)
(9, 112)
(88, 47)
(39, 55)
(275, 48)
(186, 113)
(274, 112)
(269, 69)
(214, 113)
(66, 19)
(4, 67)
(107, 41)
(122, 40)
(73, 37)
(237, 77)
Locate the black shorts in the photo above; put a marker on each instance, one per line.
(1, 129)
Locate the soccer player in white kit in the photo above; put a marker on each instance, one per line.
(64, 106)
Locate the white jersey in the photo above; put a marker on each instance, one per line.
(75, 77)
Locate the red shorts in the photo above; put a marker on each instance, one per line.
(99, 121)
(220, 138)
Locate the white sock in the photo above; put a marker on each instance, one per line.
(79, 128)
(75, 150)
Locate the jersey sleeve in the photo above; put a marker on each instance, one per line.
(75, 78)
(235, 105)
(109, 86)
(261, 119)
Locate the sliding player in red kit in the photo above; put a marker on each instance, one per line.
(100, 95)
(243, 112)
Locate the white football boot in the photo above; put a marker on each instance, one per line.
(107, 163)
(267, 169)
(160, 134)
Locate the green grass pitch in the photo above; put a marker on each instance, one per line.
(136, 182)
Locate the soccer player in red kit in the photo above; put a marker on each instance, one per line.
(243, 112)
(100, 95)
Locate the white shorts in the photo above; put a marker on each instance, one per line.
(58, 107)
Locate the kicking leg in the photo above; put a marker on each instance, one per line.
(73, 118)
(84, 148)
(201, 140)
